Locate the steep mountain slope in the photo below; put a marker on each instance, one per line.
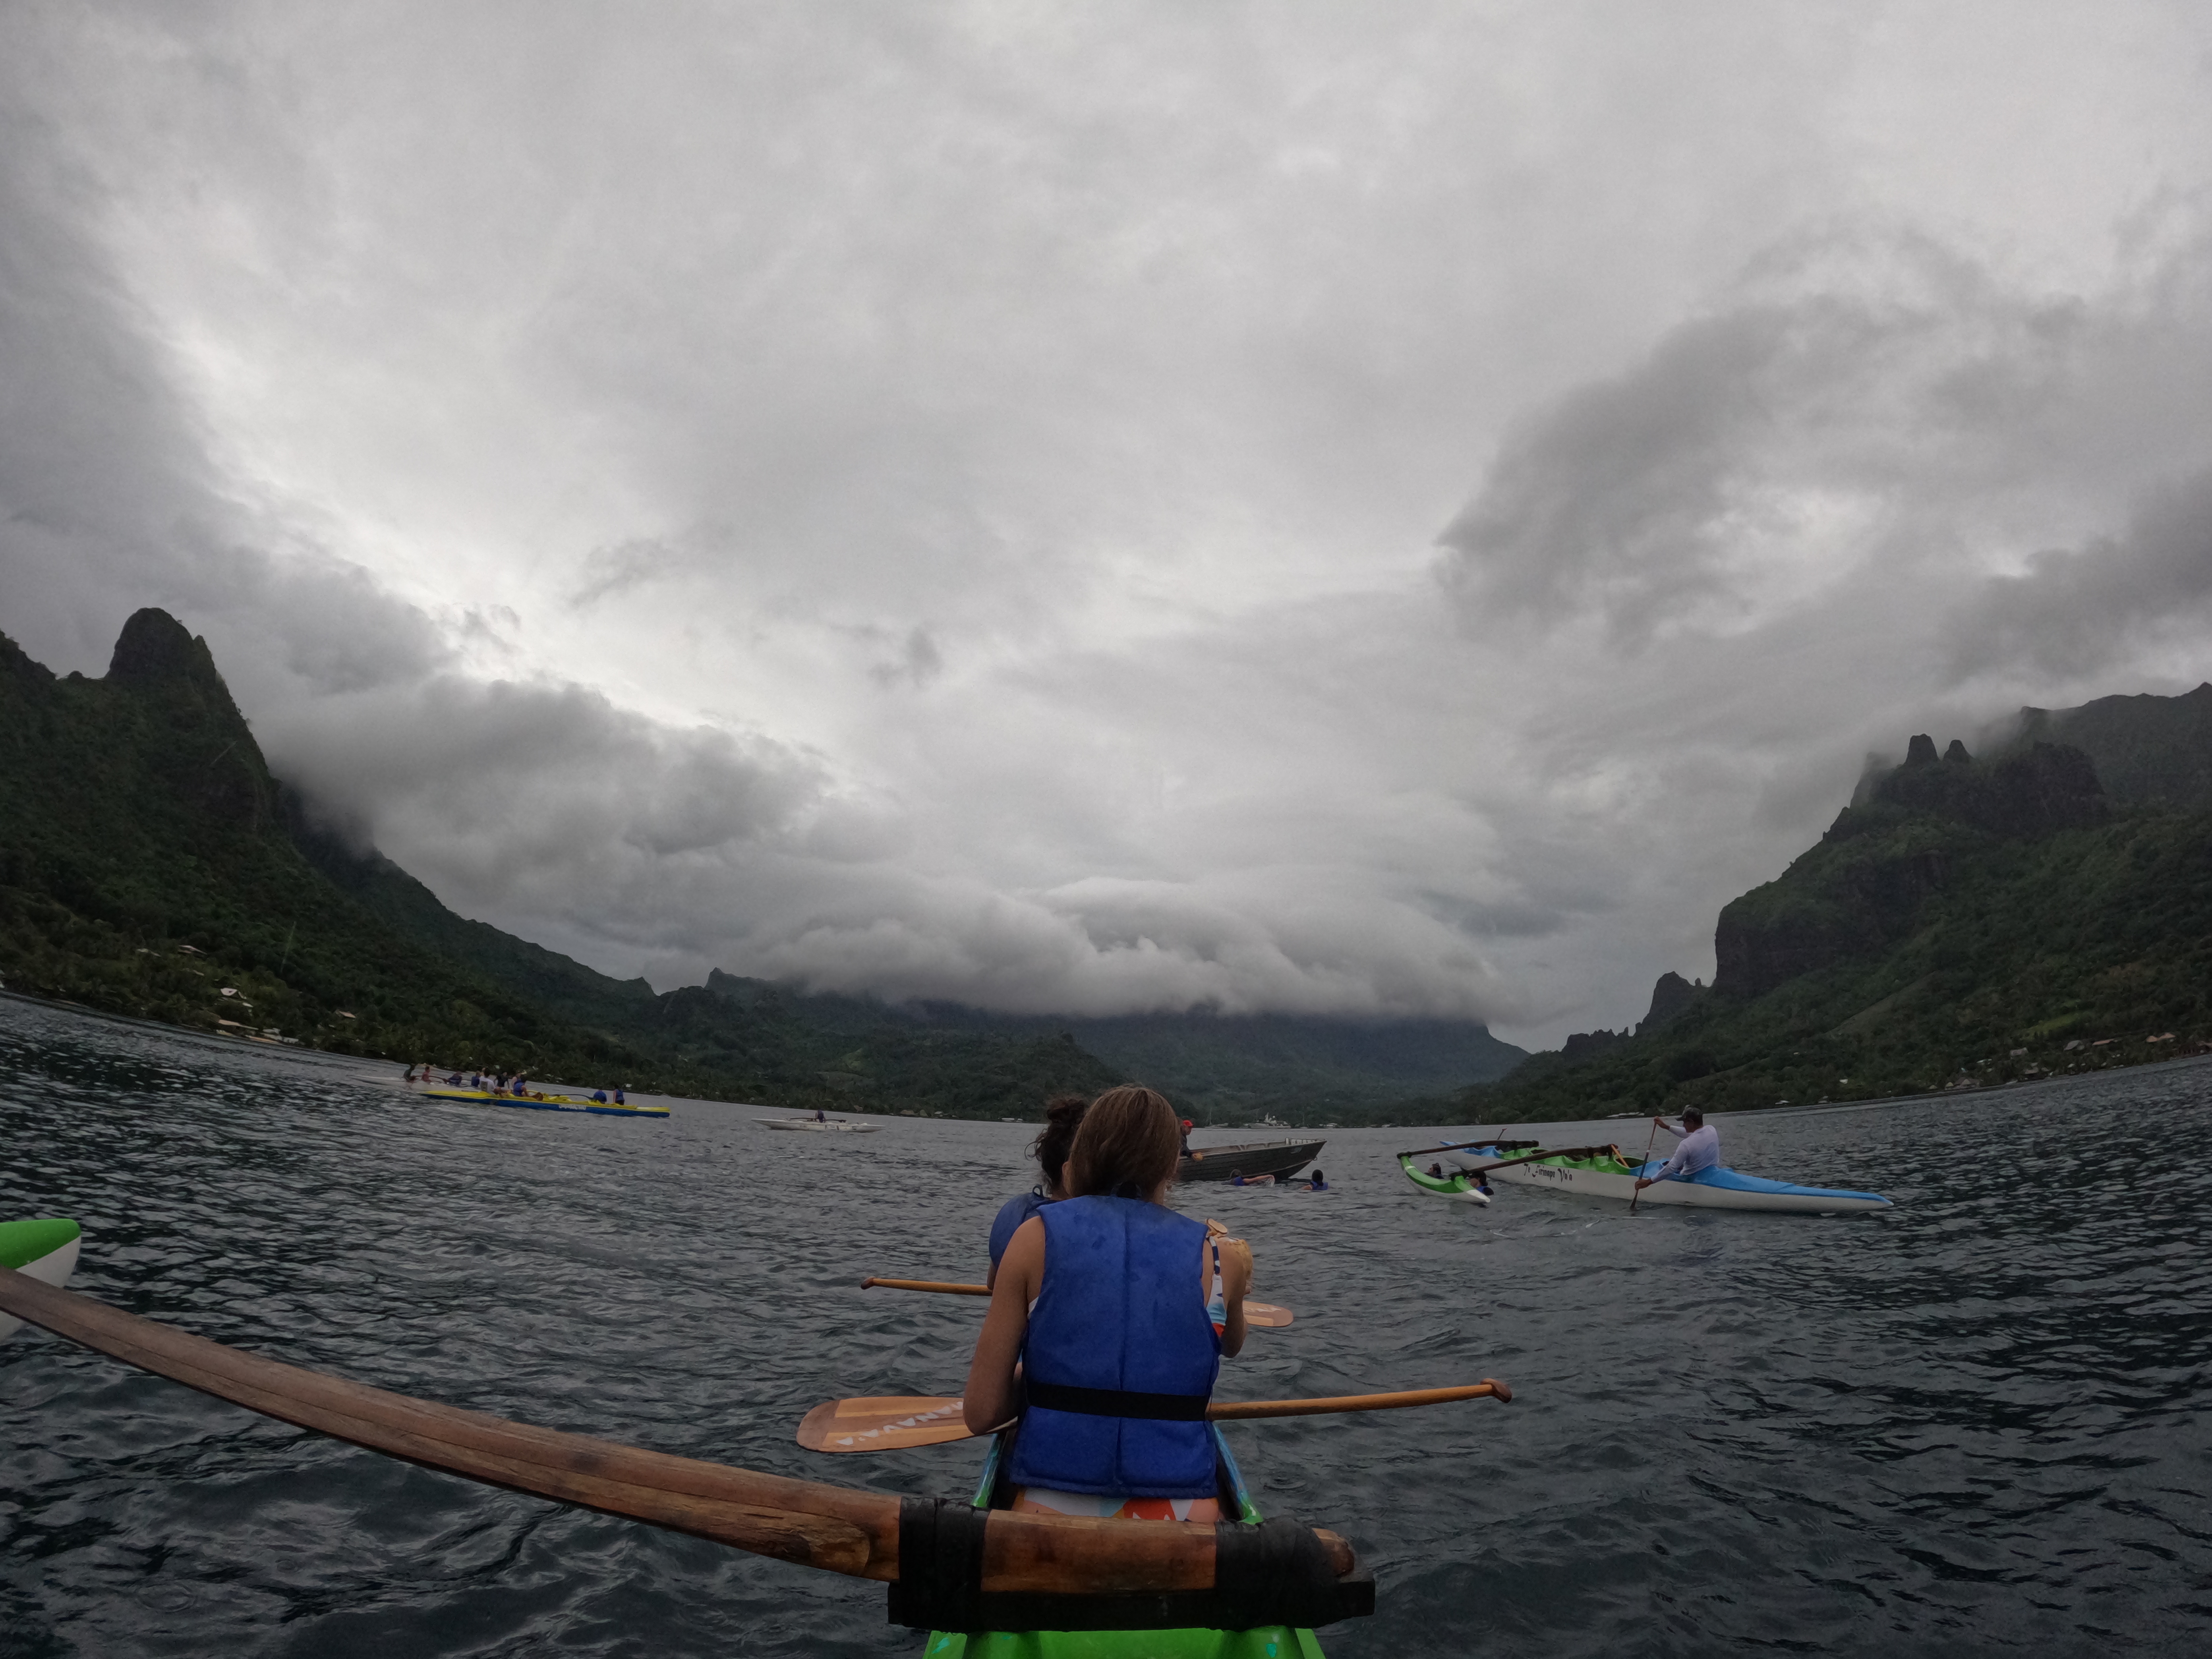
(149, 863)
(1966, 921)
(2145, 749)
(145, 866)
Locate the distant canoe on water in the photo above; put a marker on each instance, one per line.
(1603, 1172)
(536, 1101)
(835, 1126)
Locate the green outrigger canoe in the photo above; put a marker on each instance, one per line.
(1608, 1172)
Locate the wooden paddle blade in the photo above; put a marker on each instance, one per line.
(887, 1423)
(1266, 1315)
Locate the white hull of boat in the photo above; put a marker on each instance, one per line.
(834, 1126)
(1693, 1195)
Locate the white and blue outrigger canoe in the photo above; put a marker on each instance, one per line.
(1603, 1172)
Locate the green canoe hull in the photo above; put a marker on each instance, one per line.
(1268, 1642)
(45, 1249)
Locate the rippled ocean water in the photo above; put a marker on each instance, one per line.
(1980, 1423)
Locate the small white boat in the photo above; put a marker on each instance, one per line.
(835, 1125)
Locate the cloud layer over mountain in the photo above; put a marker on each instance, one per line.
(1403, 512)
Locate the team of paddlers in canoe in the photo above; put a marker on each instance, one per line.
(1109, 1315)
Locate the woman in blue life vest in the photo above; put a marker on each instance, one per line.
(1063, 1115)
(1118, 1310)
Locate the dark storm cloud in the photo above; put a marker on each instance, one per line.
(534, 788)
(1870, 413)
(107, 499)
(2072, 613)
(933, 499)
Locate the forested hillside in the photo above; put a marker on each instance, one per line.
(149, 865)
(1965, 922)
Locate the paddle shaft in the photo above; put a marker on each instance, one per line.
(1649, 1141)
(939, 1285)
(841, 1426)
(839, 1528)
(1461, 1145)
(1264, 1315)
(1241, 1410)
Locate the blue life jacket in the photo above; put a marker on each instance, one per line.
(1014, 1211)
(1120, 1326)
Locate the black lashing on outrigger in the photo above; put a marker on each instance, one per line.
(1275, 1573)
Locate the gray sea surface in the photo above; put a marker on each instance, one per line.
(1977, 1423)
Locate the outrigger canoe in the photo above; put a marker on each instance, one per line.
(835, 1125)
(1456, 1183)
(536, 1101)
(969, 1572)
(1603, 1172)
(43, 1250)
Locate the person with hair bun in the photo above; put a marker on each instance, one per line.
(1109, 1315)
(1063, 1114)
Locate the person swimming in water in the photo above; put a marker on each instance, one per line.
(1063, 1116)
(1319, 1184)
(1103, 1300)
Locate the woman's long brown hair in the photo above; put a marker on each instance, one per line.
(1128, 1146)
(1063, 1116)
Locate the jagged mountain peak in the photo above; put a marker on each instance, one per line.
(154, 646)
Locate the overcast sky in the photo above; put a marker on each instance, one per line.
(1392, 508)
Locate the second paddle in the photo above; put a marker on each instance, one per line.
(1261, 1316)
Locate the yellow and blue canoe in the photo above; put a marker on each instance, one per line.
(538, 1101)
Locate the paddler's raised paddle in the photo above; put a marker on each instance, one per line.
(1261, 1316)
(1648, 1140)
(1463, 1146)
(896, 1422)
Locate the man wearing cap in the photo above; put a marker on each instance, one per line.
(1700, 1149)
(1186, 1137)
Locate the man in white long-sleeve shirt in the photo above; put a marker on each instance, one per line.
(1700, 1149)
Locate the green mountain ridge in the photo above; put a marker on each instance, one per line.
(149, 865)
(1303, 1068)
(1963, 921)
(149, 862)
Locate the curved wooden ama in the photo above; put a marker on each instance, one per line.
(837, 1528)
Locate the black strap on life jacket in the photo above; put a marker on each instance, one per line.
(1118, 1402)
